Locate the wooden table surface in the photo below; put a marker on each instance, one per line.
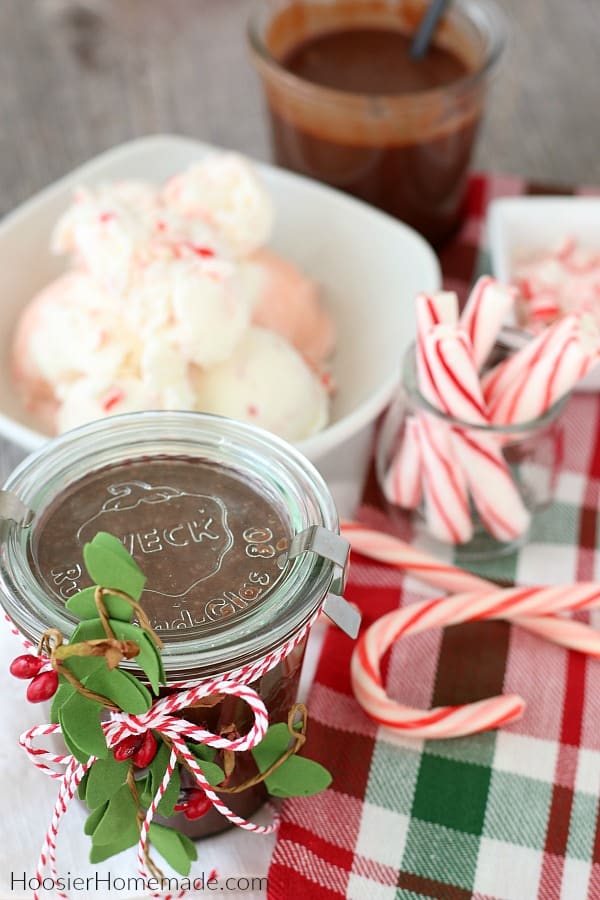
(78, 76)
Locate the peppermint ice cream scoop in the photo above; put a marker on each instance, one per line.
(226, 192)
(66, 332)
(113, 230)
(288, 302)
(161, 306)
(265, 382)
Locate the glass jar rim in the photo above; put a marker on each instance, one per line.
(410, 384)
(284, 471)
(485, 14)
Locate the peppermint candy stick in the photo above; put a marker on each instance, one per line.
(517, 366)
(452, 375)
(554, 374)
(402, 483)
(447, 510)
(484, 312)
(455, 721)
(393, 551)
(438, 308)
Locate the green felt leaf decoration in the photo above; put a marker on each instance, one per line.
(145, 794)
(88, 630)
(83, 786)
(274, 744)
(100, 852)
(94, 818)
(82, 666)
(170, 845)
(109, 564)
(297, 776)
(84, 606)
(60, 698)
(202, 752)
(110, 542)
(149, 658)
(188, 846)
(124, 689)
(104, 779)
(158, 767)
(80, 722)
(212, 772)
(119, 820)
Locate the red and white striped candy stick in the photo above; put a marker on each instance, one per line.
(484, 313)
(450, 380)
(454, 721)
(402, 483)
(453, 379)
(438, 308)
(566, 360)
(516, 366)
(447, 509)
(393, 551)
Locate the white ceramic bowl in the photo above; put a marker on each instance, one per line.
(519, 227)
(370, 267)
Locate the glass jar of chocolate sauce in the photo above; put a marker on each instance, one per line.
(349, 106)
(235, 531)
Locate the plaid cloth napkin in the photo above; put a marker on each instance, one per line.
(506, 815)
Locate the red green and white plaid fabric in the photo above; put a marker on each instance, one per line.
(506, 815)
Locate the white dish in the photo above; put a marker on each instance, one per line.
(370, 266)
(519, 227)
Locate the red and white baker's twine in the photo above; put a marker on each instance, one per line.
(532, 608)
(164, 720)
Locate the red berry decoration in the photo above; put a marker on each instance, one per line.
(42, 687)
(144, 756)
(128, 747)
(197, 805)
(26, 666)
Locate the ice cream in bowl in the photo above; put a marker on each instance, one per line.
(169, 275)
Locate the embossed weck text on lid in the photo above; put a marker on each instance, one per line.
(208, 542)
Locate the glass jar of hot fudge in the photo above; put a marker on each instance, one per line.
(235, 531)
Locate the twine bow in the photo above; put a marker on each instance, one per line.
(163, 719)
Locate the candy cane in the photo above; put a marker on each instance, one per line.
(455, 721)
(393, 551)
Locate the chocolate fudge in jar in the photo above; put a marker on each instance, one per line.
(234, 530)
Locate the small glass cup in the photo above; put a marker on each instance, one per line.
(406, 153)
(532, 451)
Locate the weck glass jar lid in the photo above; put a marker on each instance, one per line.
(235, 531)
